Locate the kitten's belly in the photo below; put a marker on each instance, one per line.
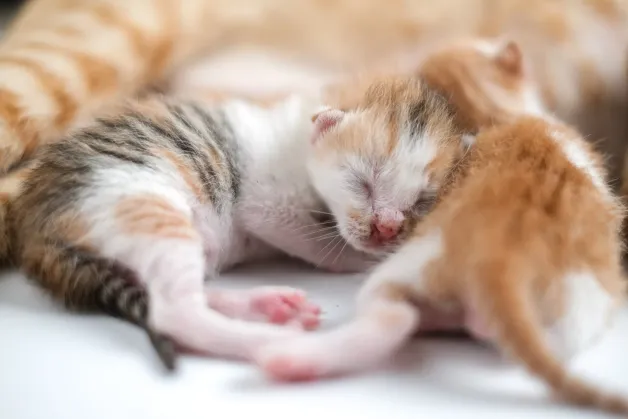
(452, 321)
(436, 320)
(242, 248)
(225, 244)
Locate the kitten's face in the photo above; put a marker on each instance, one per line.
(379, 165)
(484, 80)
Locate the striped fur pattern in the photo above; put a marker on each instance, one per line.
(130, 214)
(55, 240)
(522, 247)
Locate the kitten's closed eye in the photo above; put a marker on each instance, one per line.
(362, 187)
(424, 202)
(367, 189)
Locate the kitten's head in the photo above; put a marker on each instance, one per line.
(379, 155)
(485, 80)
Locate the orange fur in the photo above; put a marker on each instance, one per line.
(499, 256)
(138, 44)
(189, 177)
(463, 72)
(524, 235)
(154, 216)
(522, 219)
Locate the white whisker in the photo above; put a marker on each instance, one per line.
(340, 253)
(332, 249)
(313, 225)
(321, 230)
(327, 236)
(315, 211)
(325, 247)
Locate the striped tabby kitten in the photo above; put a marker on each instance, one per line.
(143, 205)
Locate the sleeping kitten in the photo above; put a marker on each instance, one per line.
(131, 214)
(523, 246)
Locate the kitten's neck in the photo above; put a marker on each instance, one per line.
(262, 130)
(273, 146)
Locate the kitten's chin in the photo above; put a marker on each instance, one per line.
(370, 248)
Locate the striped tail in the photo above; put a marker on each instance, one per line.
(87, 282)
(519, 333)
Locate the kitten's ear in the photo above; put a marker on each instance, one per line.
(324, 121)
(510, 58)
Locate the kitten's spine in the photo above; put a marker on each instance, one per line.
(511, 313)
(88, 282)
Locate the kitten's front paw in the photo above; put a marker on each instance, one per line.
(285, 306)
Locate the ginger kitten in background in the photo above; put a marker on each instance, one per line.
(522, 244)
(62, 61)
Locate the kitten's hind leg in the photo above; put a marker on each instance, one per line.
(385, 320)
(174, 272)
(159, 241)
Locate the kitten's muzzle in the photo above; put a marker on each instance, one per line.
(386, 226)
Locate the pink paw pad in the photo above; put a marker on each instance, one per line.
(286, 306)
(287, 368)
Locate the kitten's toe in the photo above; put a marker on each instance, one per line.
(283, 305)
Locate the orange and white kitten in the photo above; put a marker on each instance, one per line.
(64, 60)
(522, 245)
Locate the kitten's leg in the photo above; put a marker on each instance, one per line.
(174, 271)
(279, 305)
(385, 319)
(157, 238)
(587, 312)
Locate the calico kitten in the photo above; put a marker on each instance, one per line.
(132, 213)
(523, 245)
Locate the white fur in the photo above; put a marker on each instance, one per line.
(581, 159)
(277, 195)
(274, 206)
(396, 181)
(532, 102)
(407, 169)
(489, 48)
(587, 313)
(232, 71)
(468, 140)
(174, 270)
(405, 266)
(379, 328)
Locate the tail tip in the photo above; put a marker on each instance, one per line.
(166, 350)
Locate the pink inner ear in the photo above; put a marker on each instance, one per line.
(510, 58)
(326, 120)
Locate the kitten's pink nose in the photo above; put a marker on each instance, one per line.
(386, 224)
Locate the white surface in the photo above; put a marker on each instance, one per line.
(59, 365)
